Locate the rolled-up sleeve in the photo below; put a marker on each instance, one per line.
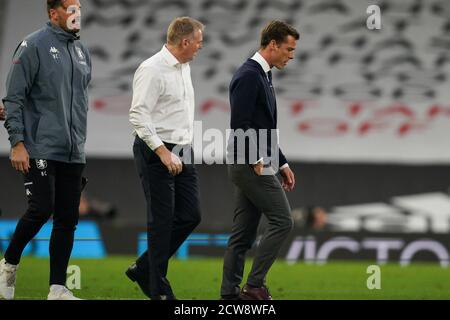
(146, 91)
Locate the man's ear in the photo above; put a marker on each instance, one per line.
(185, 42)
(273, 44)
(52, 14)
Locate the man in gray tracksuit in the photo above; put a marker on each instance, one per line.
(46, 109)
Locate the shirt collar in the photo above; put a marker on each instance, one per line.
(60, 33)
(260, 59)
(169, 57)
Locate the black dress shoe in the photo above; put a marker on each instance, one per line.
(255, 293)
(136, 275)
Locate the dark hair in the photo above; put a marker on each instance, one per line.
(53, 4)
(278, 31)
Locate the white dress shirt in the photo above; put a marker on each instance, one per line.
(260, 59)
(163, 101)
(266, 67)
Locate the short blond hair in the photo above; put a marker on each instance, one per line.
(182, 27)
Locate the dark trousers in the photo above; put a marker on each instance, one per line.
(52, 188)
(255, 195)
(173, 212)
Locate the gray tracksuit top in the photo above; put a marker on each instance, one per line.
(47, 95)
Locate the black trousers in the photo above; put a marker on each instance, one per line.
(173, 212)
(52, 188)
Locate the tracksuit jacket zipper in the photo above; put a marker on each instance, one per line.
(71, 105)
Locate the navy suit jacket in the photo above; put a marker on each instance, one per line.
(253, 106)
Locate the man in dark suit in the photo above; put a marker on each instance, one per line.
(256, 157)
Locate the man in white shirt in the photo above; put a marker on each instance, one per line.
(162, 115)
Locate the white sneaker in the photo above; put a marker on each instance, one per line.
(7, 280)
(58, 292)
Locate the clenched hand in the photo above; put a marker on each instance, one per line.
(170, 160)
(20, 160)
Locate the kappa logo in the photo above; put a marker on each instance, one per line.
(27, 189)
(54, 52)
(41, 164)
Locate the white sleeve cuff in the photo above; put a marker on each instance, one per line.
(153, 141)
(286, 165)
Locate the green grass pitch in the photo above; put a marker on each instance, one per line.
(199, 279)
